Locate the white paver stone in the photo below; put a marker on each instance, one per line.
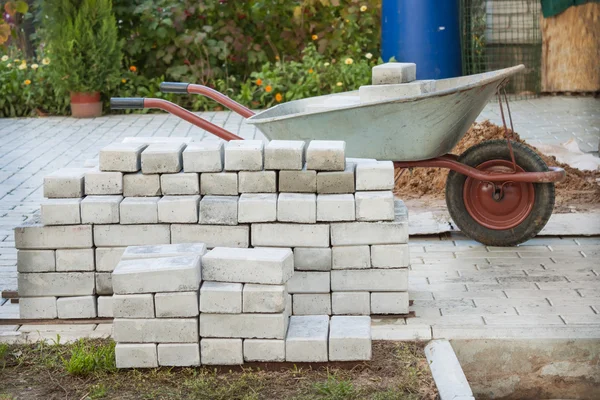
(71, 260)
(389, 303)
(178, 209)
(375, 176)
(61, 212)
(103, 283)
(219, 183)
(65, 183)
(264, 350)
(374, 206)
(205, 156)
(141, 185)
(306, 340)
(290, 235)
(309, 282)
(351, 257)
(326, 155)
(257, 207)
(131, 235)
(105, 308)
(179, 354)
(284, 154)
(177, 304)
(155, 330)
(394, 72)
(264, 298)
(221, 297)
(351, 303)
(350, 338)
(390, 256)
(102, 183)
(107, 258)
(136, 355)
(312, 304)
(163, 158)
(36, 261)
(39, 237)
(312, 259)
(211, 235)
(38, 307)
(180, 183)
(221, 351)
(297, 207)
(335, 207)
(100, 209)
(139, 210)
(164, 250)
(357, 233)
(248, 326)
(123, 157)
(76, 307)
(302, 181)
(133, 305)
(244, 155)
(257, 181)
(219, 210)
(337, 182)
(374, 280)
(56, 284)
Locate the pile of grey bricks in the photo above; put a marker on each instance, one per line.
(348, 235)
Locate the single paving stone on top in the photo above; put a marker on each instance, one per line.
(297, 207)
(394, 72)
(284, 154)
(139, 210)
(122, 157)
(326, 155)
(180, 183)
(221, 297)
(163, 158)
(206, 156)
(306, 339)
(102, 183)
(244, 155)
(141, 185)
(65, 183)
(164, 250)
(257, 207)
(100, 209)
(219, 210)
(350, 338)
(377, 175)
(61, 211)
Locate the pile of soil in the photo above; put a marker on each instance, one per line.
(579, 187)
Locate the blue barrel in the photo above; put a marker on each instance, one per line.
(424, 32)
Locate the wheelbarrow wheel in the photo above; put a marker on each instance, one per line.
(505, 213)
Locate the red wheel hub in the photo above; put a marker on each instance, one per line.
(502, 205)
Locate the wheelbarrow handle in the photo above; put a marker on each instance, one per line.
(174, 87)
(126, 103)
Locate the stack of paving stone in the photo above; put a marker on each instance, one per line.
(348, 235)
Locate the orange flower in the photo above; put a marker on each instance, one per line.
(314, 37)
(27, 82)
(268, 89)
(259, 82)
(310, 71)
(277, 58)
(133, 68)
(278, 97)
(123, 80)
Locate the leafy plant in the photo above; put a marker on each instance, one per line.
(86, 358)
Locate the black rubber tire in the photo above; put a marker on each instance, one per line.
(527, 159)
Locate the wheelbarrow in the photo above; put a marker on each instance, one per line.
(499, 192)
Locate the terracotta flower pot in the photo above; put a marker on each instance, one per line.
(86, 105)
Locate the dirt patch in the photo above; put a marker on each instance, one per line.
(579, 187)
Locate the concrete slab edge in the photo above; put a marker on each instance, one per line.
(447, 373)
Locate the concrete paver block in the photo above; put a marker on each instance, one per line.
(180, 183)
(357, 233)
(264, 298)
(221, 297)
(375, 175)
(123, 157)
(36, 261)
(259, 265)
(219, 183)
(105, 308)
(179, 354)
(133, 305)
(100, 209)
(70, 260)
(375, 280)
(297, 207)
(244, 155)
(312, 259)
(389, 303)
(172, 274)
(290, 235)
(163, 158)
(131, 235)
(257, 181)
(61, 212)
(107, 258)
(309, 282)
(264, 350)
(177, 304)
(337, 182)
(155, 330)
(221, 351)
(141, 185)
(257, 207)
(284, 154)
(102, 183)
(206, 156)
(38, 307)
(350, 338)
(65, 183)
(390, 255)
(351, 257)
(178, 209)
(39, 237)
(139, 210)
(306, 340)
(103, 283)
(374, 206)
(212, 235)
(219, 210)
(302, 181)
(164, 250)
(248, 326)
(312, 304)
(351, 303)
(326, 155)
(136, 355)
(450, 379)
(394, 72)
(76, 307)
(336, 207)
(56, 284)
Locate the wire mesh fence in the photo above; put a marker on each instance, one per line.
(502, 33)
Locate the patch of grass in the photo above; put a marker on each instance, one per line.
(97, 391)
(3, 354)
(334, 388)
(208, 385)
(86, 358)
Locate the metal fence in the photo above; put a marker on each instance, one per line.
(502, 33)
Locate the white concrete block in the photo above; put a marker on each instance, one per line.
(103, 283)
(56, 284)
(356, 233)
(336, 207)
(178, 209)
(312, 304)
(212, 235)
(290, 235)
(136, 355)
(244, 155)
(257, 207)
(139, 210)
(302, 181)
(264, 350)
(221, 297)
(337, 182)
(221, 351)
(65, 183)
(390, 256)
(180, 183)
(76, 307)
(131, 235)
(36, 261)
(264, 298)
(123, 157)
(140, 185)
(374, 280)
(260, 326)
(38, 307)
(205, 156)
(153, 275)
(155, 330)
(257, 181)
(374, 206)
(70, 260)
(219, 183)
(258, 265)
(219, 210)
(375, 175)
(107, 258)
(306, 340)
(177, 304)
(164, 158)
(309, 282)
(446, 371)
(284, 154)
(350, 338)
(326, 155)
(100, 209)
(157, 139)
(389, 303)
(39, 237)
(351, 257)
(60, 212)
(164, 250)
(105, 308)
(370, 93)
(297, 207)
(133, 305)
(351, 303)
(312, 259)
(179, 354)
(103, 183)
(394, 72)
